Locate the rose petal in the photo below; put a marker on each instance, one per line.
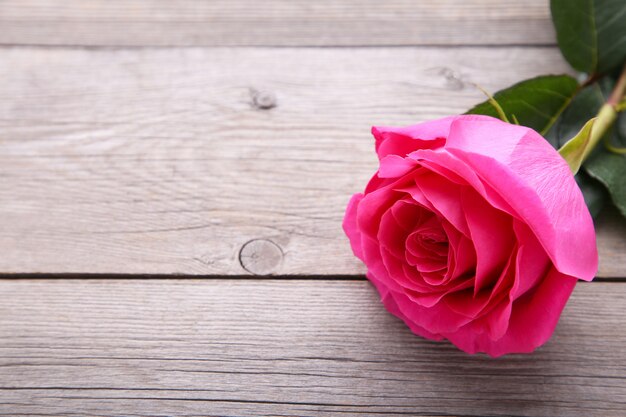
(471, 304)
(394, 166)
(391, 234)
(444, 197)
(536, 181)
(533, 319)
(372, 207)
(407, 214)
(403, 140)
(457, 171)
(350, 226)
(498, 320)
(432, 298)
(491, 232)
(373, 257)
(532, 261)
(462, 254)
(435, 319)
(392, 307)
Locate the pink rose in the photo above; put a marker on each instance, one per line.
(473, 230)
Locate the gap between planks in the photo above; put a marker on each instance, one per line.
(87, 276)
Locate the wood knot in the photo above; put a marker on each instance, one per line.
(263, 100)
(260, 256)
(453, 79)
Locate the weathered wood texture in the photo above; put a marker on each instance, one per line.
(275, 22)
(298, 347)
(157, 161)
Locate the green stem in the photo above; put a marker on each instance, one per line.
(578, 148)
(618, 91)
(494, 103)
(605, 119)
(607, 114)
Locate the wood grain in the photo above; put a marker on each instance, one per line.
(161, 161)
(275, 22)
(297, 347)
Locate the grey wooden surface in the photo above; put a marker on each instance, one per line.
(295, 347)
(275, 22)
(169, 167)
(208, 141)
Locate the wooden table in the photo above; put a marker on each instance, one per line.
(173, 176)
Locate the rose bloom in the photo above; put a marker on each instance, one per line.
(473, 230)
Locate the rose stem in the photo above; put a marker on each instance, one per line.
(607, 114)
(618, 91)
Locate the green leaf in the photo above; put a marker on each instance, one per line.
(591, 33)
(583, 107)
(609, 168)
(535, 103)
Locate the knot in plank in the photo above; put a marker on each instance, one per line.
(260, 256)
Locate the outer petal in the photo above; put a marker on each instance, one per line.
(350, 226)
(403, 140)
(394, 166)
(391, 306)
(535, 180)
(436, 319)
(533, 319)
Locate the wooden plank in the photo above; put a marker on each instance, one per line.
(298, 347)
(275, 22)
(158, 161)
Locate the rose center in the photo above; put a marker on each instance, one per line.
(427, 250)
